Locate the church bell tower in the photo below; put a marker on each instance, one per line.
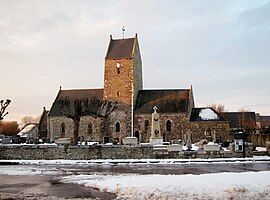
(123, 71)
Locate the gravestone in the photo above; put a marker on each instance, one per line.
(189, 143)
(156, 137)
(175, 147)
(130, 141)
(211, 146)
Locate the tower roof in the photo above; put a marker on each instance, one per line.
(120, 48)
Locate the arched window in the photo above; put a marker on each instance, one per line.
(146, 125)
(117, 127)
(118, 68)
(63, 129)
(118, 93)
(209, 132)
(90, 129)
(168, 125)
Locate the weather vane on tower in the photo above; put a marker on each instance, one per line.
(123, 31)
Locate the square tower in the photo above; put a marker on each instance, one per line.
(123, 71)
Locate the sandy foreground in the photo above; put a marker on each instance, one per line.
(45, 187)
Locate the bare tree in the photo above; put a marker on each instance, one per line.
(218, 107)
(246, 123)
(29, 119)
(243, 110)
(75, 109)
(4, 105)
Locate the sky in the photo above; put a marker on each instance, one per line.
(221, 48)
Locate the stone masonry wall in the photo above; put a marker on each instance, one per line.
(122, 117)
(206, 129)
(106, 152)
(55, 128)
(118, 87)
(179, 126)
(137, 71)
(75, 153)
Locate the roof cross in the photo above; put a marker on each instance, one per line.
(155, 109)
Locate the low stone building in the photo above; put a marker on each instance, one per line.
(206, 123)
(29, 133)
(243, 125)
(262, 135)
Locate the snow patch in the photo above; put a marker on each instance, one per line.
(205, 186)
(261, 149)
(144, 161)
(29, 171)
(208, 114)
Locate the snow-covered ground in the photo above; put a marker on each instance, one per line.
(225, 185)
(140, 161)
(20, 170)
(247, 185)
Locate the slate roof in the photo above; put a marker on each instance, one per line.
(240, 119)
(27, 129)
(265, 121)
(196, 115)
(167, 101)
(96, 94)
(121, 48)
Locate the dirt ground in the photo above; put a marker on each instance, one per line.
(45, 187)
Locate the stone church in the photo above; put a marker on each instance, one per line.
(123, 83)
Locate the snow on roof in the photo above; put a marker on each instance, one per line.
(26, 130)
(208, 114)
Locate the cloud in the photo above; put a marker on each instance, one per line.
(221, 47)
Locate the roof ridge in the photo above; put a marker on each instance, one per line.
(83, 89)
(124, 38)
(157, 89)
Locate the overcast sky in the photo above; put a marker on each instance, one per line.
(222, 48)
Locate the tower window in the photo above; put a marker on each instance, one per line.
(118, 68)
(63, 129)
(168, 125)
(117, 127)
(118, 93)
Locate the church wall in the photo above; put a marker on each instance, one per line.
(179, 125)
(206, 129)
(137, 72)
(96, 124)
(55, 128)
(124, 118)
